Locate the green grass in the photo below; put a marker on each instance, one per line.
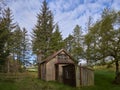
(103, 81)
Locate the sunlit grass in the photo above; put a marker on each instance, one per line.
(29, 81)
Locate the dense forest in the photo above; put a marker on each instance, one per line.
(100, 44)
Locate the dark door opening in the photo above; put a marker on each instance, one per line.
(69, 75)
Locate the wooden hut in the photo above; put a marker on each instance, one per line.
(60, 67)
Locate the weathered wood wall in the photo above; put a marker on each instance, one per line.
(50, 70)
(84, 76)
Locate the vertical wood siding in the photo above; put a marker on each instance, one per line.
(86, 77)
(50, 70)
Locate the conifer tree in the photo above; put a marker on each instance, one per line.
(68, 43)
(77, 50)
(42, 32)
(17, 43)
(26, 47)
(74, 43)
(6, 28)
(56, 40)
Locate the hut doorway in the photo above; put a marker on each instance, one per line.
(65, 73)
(69, 76)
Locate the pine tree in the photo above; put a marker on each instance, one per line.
(77, 50)
(87, 44)
(6, 28)
(20, 46)
(74, 43)
(56, 40)
(42, 32)
(68, 43)
(25, 47)
(17, 42)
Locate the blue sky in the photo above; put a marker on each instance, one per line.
(67, 13)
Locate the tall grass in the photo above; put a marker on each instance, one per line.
(29, 81)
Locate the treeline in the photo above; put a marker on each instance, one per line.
(47, 38)
(101, 41)
(99, 44)
(13, 43)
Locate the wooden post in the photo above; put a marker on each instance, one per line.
(80, 75)
(39, 71)
(39, 59)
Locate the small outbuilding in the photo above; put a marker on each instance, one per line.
(61, 67)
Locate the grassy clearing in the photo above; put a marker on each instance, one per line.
(103, 81)
(28, 81)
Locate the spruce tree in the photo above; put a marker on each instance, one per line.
(56, 40)
(68, 43)
(26, 47)
(42, 32)
(6, 28)
(17, 41)
(74, 43)
(77, 50)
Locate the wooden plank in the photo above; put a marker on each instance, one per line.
(86, 76)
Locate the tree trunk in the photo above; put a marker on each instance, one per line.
(117, 67)
(8, 66)
(117, 77)
(38, 61)
(39, 72)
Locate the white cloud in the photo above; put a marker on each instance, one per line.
(79, 15)
(25, 12)
(67, 13)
